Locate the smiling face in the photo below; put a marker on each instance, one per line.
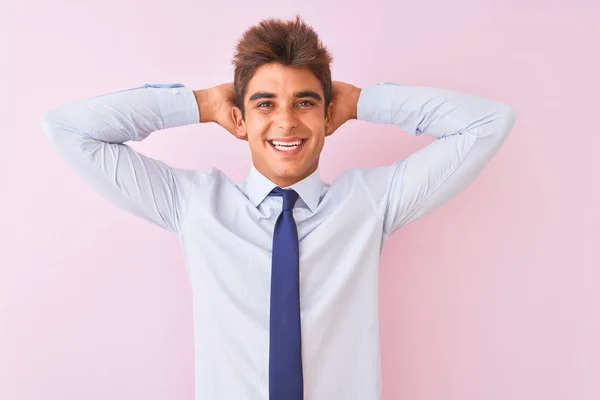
(284, 104)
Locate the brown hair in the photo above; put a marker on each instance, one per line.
(290, 43)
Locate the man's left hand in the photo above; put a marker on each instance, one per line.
(344, 96)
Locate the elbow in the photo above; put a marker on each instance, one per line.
(508, 112)
(49, 127)
(48, 121)
(63, 133)
(507, 119)
(52, 123)
(499, 122)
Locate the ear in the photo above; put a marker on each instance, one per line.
(240, 124)
(329, 119)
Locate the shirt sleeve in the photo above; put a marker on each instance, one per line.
(90, 134)
(468, 129)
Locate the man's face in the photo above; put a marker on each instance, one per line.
(283, 103)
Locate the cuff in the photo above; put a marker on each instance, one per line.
(375, 102)
(177, 104)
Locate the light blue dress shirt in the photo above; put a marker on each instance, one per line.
(226, 228)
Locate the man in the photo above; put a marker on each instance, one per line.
(283, 266)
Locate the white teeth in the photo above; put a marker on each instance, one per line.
(278, 143)
(286, 148)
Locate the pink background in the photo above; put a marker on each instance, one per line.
(493, 296)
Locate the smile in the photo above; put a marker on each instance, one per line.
(287, 148)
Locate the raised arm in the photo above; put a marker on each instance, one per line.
(469, 131)
(90, 135)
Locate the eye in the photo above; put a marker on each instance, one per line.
(308, 102)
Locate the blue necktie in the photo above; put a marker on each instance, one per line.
(285, 350)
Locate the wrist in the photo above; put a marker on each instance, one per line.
(355, 96)
(205, 101)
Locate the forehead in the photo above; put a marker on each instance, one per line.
(282, 79)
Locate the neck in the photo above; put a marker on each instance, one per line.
(285, 181)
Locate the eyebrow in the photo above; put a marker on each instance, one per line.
(297, 95)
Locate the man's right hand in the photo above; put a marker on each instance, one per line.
(216, 104)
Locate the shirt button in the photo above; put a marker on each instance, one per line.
(175, 91)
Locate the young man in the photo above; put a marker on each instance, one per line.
(283, 266)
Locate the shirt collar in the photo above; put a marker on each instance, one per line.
(259, 186)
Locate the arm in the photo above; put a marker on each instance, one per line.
(90, 134)
(468, 129)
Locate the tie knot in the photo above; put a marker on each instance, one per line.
(289, 197)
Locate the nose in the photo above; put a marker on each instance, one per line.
(287, 120)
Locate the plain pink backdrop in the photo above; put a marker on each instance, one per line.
(493, 296)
